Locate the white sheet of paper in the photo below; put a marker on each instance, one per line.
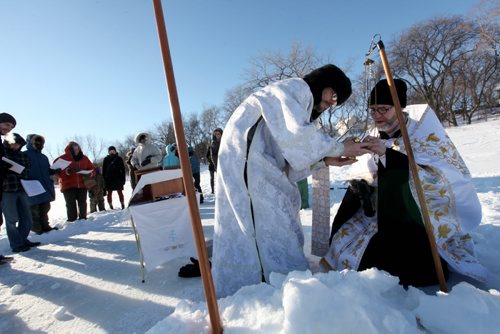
(60, 164)
(32, 187)
(15, 166)
(85, 171)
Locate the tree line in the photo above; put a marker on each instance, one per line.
(450, 63)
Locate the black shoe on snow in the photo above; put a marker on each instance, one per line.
(32, 244)
(6, 258)
(20, 249)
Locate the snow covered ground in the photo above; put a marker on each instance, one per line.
(85, 278)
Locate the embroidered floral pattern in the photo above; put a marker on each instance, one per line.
(439, 167)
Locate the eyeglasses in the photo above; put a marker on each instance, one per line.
(381, 110)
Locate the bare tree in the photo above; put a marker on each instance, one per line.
(273, 66)
(124, 146)
(233, 98)
(426, 55)
(94, 148)
(477, 76)
(211, 118)
(164, 133)
(487, 21)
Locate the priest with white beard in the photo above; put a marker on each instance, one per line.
(379, 223)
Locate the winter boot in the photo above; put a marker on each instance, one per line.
(6, 258)
(123, 205)
(110, 206)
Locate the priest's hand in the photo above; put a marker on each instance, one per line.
(376, 145)
(354, 149)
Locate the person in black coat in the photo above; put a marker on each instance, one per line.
(212, 155)
(113, 170)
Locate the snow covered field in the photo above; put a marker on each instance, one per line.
(85, 278)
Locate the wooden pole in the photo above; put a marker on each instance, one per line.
(413, 167)
(206, 274)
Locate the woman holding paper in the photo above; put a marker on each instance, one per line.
(71, 181)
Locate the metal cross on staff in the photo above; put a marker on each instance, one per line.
(411, 161)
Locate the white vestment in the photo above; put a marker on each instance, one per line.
(452, 203)
(257, 228)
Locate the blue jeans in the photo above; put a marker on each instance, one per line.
(17, 213)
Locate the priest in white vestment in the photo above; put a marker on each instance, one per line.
(270, 142)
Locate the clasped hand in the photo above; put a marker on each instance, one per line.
(353, 148)
(375, 145)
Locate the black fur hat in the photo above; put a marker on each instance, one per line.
(381, 94)
(329, 76)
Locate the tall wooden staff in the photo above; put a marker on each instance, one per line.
(199, 238)
(413, 167)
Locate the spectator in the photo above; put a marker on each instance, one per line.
(113, 170)
(171, 160)
(195, 169)
(146, 155)
(71, 181)
(15, 201)
(7, 123)
(212, 154)
(97, 192)
(41, 171)
(131, 169)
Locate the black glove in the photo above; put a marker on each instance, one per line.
(5, 164)
(191, 270)
(146, 161)
(72, 170)
(54, 171)
(364, 192)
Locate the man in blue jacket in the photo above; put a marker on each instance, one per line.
(41, 171)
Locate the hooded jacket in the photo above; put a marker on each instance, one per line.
(171, 160)
(40, 170)
(143, 151)
(69, 177)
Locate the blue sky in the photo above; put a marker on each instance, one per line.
(79, 67)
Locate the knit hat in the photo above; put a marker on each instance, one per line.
(329, 76)
(7, 118)
(381, 94)
(111, 148)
